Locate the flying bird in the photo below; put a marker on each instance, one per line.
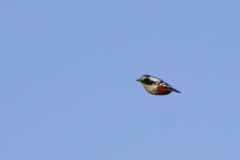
(156, 86)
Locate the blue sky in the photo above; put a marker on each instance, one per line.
(69, 70)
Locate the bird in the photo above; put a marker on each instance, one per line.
(156, 86)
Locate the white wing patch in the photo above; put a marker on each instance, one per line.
(154, 79)
(163, 84)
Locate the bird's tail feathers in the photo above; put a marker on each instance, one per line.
(173, 89)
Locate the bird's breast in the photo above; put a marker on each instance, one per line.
(151, 88)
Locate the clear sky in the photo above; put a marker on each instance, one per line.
(68, 80)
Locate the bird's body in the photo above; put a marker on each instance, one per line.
(156, 86)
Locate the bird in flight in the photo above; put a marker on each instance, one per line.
(156, 86)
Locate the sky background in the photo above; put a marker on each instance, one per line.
(68, 80)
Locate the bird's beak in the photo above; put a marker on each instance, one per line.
(138, 80)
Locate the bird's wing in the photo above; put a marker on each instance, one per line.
(168, 87)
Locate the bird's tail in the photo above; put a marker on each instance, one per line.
(173, 89)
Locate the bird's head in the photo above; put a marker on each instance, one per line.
(143, 78)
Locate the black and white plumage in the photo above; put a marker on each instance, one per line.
(156, 86)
